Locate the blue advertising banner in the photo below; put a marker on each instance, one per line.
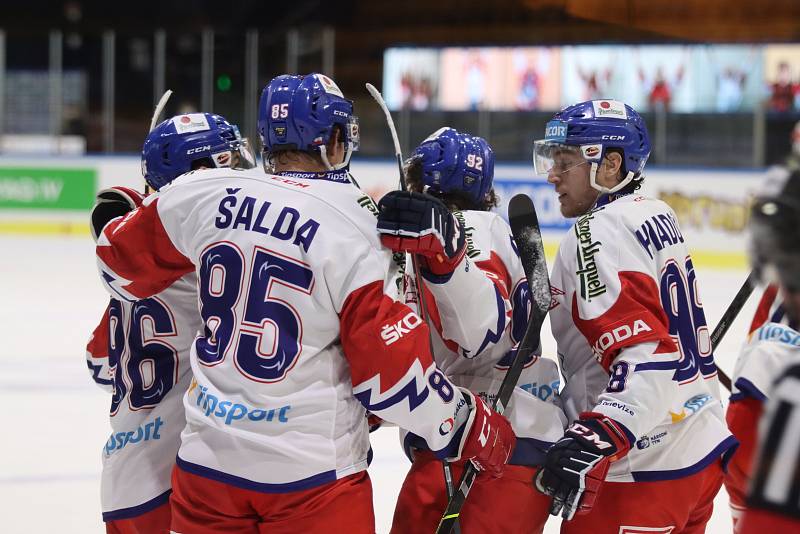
(544, 198)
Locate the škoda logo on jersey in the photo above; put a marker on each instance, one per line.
(620, 334)
(393, 332)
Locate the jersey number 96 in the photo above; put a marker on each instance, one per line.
(150, 369)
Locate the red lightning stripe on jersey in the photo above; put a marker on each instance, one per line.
(151, 268)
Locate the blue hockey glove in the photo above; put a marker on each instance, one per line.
(576, 466)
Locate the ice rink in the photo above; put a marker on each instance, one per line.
(55, 419)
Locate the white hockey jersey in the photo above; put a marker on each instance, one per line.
(767, 352)
(140, 353)
(480, 312)
(770, 309)
(633, 342)
(302, 329)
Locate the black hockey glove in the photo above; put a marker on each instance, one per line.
(576, 466)
(112, 203)
(421, 224)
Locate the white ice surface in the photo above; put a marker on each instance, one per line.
(54, 419)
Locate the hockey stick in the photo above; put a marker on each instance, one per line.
(390, 122)
(728, 317)
(528, 239)
(162, 102)
(159, 108)
(376, 95)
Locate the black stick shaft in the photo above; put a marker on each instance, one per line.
(728, 317)
(532, 257)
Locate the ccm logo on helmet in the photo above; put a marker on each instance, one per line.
(393, 332)
(198, 149)
(613, 137)
(620, 333)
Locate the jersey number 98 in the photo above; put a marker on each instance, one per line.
(687, 322)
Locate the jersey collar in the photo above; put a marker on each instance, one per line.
(607, 198)
(340, 176)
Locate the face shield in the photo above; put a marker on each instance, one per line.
(552, 157)
(239, 155)
(247, 159)
(557, 158)
(352, 142)
(353, 134)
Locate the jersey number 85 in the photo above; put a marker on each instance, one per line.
(268, 338)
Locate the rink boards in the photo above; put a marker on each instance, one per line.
(52, 196)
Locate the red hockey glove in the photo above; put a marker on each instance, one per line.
(488, 439)
(112, 203)
(422, 224)
(576, 466)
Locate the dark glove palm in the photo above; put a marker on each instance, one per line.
(576, 466)
(112, 203)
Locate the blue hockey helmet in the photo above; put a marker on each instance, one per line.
(176, 145)
(454, 161)
(300, 113)
(590, 129)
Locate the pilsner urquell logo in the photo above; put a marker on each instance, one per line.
(472, 250)
(591, 286)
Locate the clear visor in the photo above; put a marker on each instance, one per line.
(558, 158)
(247, 159)
(237, 158)
(353, 133)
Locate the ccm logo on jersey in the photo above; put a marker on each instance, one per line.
(393, 332)
(619, 334)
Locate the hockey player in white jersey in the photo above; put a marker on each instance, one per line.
(646, 448)
(769, 350)
(770, 307)
(772, 503)
(140, 350)
(478, 303)
(301, 332)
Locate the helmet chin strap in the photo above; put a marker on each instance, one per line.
(602, 189)
(323, 152)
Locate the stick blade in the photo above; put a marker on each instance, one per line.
(373, 91)
(162, 102)
(528, 239)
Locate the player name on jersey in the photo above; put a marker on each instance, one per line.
(286, 224)
(658, 232)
